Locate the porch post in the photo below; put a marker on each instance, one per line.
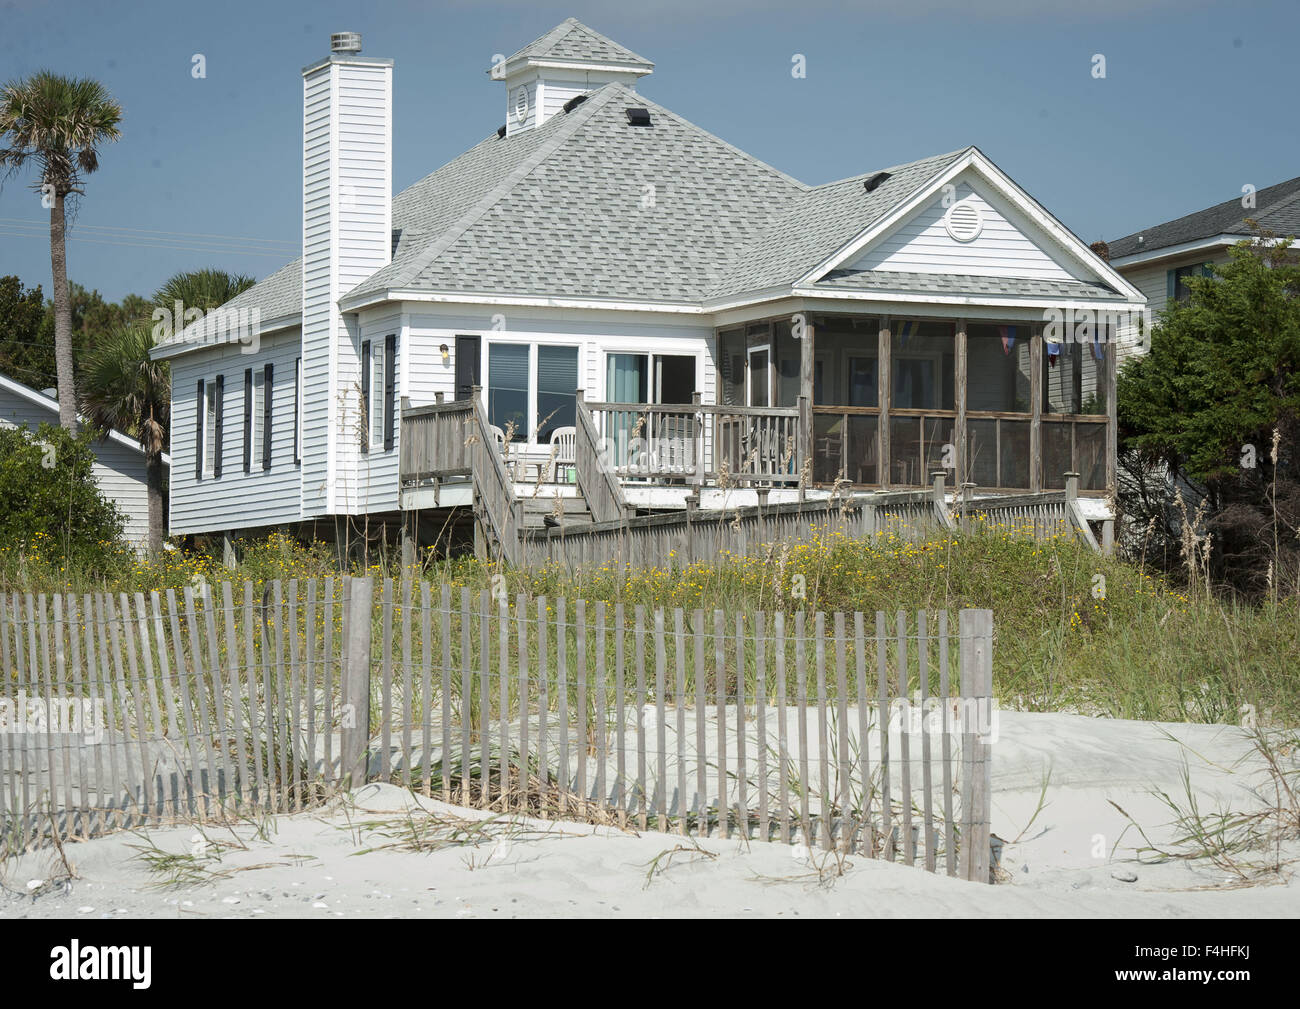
(1036, 409)
(960, 381)
(883, 394)
(806, 366)
(1112, 420)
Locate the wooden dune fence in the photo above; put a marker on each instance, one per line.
(762, 726)
(122, 710)
(848, 732)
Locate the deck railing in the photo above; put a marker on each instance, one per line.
(698, 443)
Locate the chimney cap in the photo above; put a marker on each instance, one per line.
(345, 42)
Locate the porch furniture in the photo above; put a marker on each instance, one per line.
(563, 454)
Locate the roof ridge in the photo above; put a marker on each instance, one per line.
(893, 168)
(416, 265)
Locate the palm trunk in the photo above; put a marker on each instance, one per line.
(153, 470)
(62, 318)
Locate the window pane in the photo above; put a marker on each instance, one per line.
(923, 356)
(759, 378)
(997, 368)
(508, 389)
(210, 430)
(557, 382)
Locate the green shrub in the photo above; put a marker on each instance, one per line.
(50, 505)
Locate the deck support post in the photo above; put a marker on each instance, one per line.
(228, 558)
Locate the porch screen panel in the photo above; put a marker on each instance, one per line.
(923, 356)
(508, 389)
(557, 380)
(731, 363)
(787, 352)
(829, 433)
(1057, 459)
(1090, 455)
(997, 452)
(997, 369)
(861, 451)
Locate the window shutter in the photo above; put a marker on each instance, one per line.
(200, 416)
(248, 420)
(1205, 270)
(390, 374)
(1171, 285)
(218, 419)
(365, 396)
(297, 411)
(268, 373)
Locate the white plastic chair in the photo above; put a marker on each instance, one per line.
(564, 444)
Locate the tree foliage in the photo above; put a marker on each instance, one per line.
(1213, 412)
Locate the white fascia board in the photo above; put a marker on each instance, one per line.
(905, 298)
(1005, 188)
(180, 346)
(1173, 251)
(510, 68)
(522, 301)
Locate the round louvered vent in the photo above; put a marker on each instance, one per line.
(964, 222)
(521, 104)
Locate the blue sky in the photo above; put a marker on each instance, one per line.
(1197, 102)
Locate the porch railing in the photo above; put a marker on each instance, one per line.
(697, 443)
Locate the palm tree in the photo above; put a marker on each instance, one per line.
(123, 388)
(201, 289)
(58, 122)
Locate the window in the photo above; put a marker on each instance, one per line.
(508, 389)
(390, 390)
(557, 382)
(1176, 289)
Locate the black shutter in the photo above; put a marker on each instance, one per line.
(200, 418)
(248, 420)
(218, 417)
(267, 385)
(390, 373)
(365, 396)
(297, 406)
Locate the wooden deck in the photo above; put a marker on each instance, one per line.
(692, 446)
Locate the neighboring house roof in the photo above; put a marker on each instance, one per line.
(572, 40)
(52, 405)
(1277, 209)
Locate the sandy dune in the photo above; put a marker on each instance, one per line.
(308, 865)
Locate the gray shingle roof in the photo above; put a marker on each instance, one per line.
(572, 40)
(1277, 208)
(954, 283)
(274, 297)
(819, 221)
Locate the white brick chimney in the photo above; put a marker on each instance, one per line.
(347, 189)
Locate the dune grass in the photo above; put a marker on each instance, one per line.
(1073, 631)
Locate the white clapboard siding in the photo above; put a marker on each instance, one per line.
(369, 481)
(531, 86)
(1007, 246)
(119, 468)
(235, 500)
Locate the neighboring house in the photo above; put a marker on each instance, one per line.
(120, 462)
(1156, 259)
(721, 323)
